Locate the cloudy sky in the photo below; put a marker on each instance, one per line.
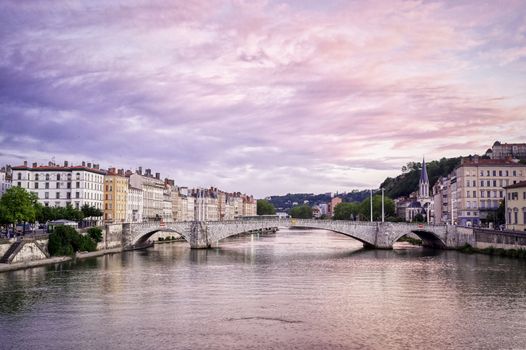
(265, 97)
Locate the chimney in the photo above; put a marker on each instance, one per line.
(89, 165)
(66, 163)
(83, 163)
(96, 166)
(158, 176)
(25, 162)
(121, 172)
(111, 170)
(476, 158)
(35, 165)
(140, 170)
(148, 172)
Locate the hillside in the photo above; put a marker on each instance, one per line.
(284, 203)
(407, 182)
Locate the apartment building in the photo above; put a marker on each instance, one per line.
(153, 193)
(516, 206)
(475, 189)
(507, 150)
(5, 183)
(134, 204)
(60, 185)
(115, 196)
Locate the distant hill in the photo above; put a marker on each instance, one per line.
(407, 182)
(284, 203)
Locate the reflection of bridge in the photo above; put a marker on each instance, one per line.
(201, 234)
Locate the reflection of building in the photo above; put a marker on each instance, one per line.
(507, 150)
(115, 196)
(60, 185)
(516, 206)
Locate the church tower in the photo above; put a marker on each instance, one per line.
(423, 188)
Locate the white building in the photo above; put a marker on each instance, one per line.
(57, 185)
(4, 183)
(153, 193)
(134, 205)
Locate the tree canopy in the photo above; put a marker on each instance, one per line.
(362, 211)
(301, 212)
(264, 207)
(17, 206)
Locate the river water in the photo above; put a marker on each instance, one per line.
(297, 289)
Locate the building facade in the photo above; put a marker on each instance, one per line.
(515, 210)
(507, 150)
(153, 193)
(58, 186)
(115, 196)
(5, 183)
(475, 189)
(134, 204)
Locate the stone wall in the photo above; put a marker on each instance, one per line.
(29, 252)
(111, 237)
(499, 239)
(4, 248)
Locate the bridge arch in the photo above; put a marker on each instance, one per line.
(429, 238)
(142, 238)
(365, 242)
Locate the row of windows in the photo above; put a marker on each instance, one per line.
(490, 183)
(515, 195)
(58, 177)
(76, 205)
(58, 185)
(93, 196)
(515, 216)
(495, 173)
(485, 194)
(483, 204)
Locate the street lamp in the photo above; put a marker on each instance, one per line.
(371, 205)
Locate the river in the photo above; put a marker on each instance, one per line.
(297, 289)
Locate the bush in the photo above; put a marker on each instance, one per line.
(65, 240)
(160, 239)
(95, 233)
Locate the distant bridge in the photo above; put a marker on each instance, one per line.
(382, 235)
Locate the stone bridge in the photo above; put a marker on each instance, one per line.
(201, 234)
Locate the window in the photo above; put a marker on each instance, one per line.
(78, 184)
(507, 173)
(487, 173)
(516, 217)
(482, 173)
(36, 185)
(46, 195)
(494, 172)
(47, 185)
(467, 194)
(57, 195)
(474, 183)
(494, 183)
(68, 195)
(58, 177)
(514, 172)
(19, 176)
(77, 195)
(467, 183)
(77, 205)
(500, 172)
(69, 185)
(58, 184)
(474, 194)
(488, 194)
(47, 177)
(46, 204)
(19, 184)
(481, 183)
(514, 196)
(488, 183)
(36, 177)
(78, 176)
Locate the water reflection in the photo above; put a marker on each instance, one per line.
(295, 289)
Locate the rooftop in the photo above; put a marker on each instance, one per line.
(517, 185)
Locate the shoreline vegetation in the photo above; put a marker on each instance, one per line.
(510, 253)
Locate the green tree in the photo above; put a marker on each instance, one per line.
(346, 211)
(90, 211)
(301, 212)
(264, 207)
(65, 240)
(365, 208)
(95, 233)
(17, 206)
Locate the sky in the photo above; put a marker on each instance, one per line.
(263, 97)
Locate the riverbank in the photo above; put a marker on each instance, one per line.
(56, 260)
(510, 253)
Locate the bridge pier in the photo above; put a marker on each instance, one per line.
(198, 237)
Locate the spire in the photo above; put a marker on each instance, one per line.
(423, 174)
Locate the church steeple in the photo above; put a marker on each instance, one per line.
(423, 191)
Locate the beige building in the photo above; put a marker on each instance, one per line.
(516, 206)
(153, 193)
(507, 150)
(134, 204)
(115, 196)
(475, 189)
(249, 206)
